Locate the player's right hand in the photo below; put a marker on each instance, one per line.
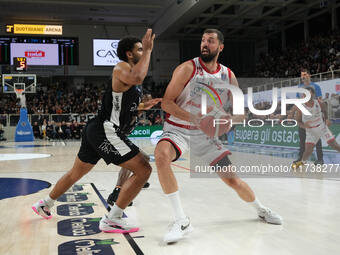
(147, 40)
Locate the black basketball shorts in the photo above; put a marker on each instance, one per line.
(100, 140)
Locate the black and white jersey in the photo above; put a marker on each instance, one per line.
(121, 109)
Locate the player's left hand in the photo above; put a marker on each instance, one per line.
(328, 123)
(150, 103)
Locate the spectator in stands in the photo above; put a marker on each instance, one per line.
(50, 130)
(36, 130)
(59, 131)
(2, 132)
(43, 129)
(326, 98)
(151, 118)
(335, 104)
(59, 110)
(76, 130)
(158, 120)
(320, 54)
(67, 129)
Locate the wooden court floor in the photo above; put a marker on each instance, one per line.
(223, 223)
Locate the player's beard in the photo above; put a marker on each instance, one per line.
(305, 80)
(208, 57)
(136, 58)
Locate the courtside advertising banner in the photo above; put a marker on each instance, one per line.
(105, 52)
(276, 136)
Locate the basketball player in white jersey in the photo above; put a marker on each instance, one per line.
(316, 126)
(181, 124)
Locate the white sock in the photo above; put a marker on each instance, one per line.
(175, 201)
(257, 205)
(49, 201)
(116, 212)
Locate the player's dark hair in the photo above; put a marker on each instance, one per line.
(220, 36)
(305, 70)
(126, 44)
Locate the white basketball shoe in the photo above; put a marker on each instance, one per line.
(177, 230)
(269, 216)
(116, 225)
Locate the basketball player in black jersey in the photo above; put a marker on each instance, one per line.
(124, 174)
(105, 136)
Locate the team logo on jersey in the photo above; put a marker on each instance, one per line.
(107, 148)
(134, 107)
(116, 103)
(223, 76)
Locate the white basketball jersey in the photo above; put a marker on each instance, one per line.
(201, 80)
(316, 119)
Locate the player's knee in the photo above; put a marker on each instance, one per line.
(147, 169)
(234, 183)
(162, 157)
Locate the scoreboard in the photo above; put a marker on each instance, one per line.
(20, 63)
(65, 50)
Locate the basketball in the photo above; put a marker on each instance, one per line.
(216, 123)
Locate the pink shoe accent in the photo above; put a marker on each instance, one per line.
(45, 217)
(121, 231)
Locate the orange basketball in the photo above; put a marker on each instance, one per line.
(215, 127)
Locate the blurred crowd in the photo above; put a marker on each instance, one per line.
(64, 99)
(320, 54)
(332, 101)
(57, 130)
(56, 100)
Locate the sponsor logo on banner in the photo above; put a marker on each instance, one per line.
(75, 209)
(277, 135)
(23, 133)
(337, 88)
(146, 131)
(155, 136)
(35, 54)
(87, 246)
(105, 52)
(78, 227)
(73, 197)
